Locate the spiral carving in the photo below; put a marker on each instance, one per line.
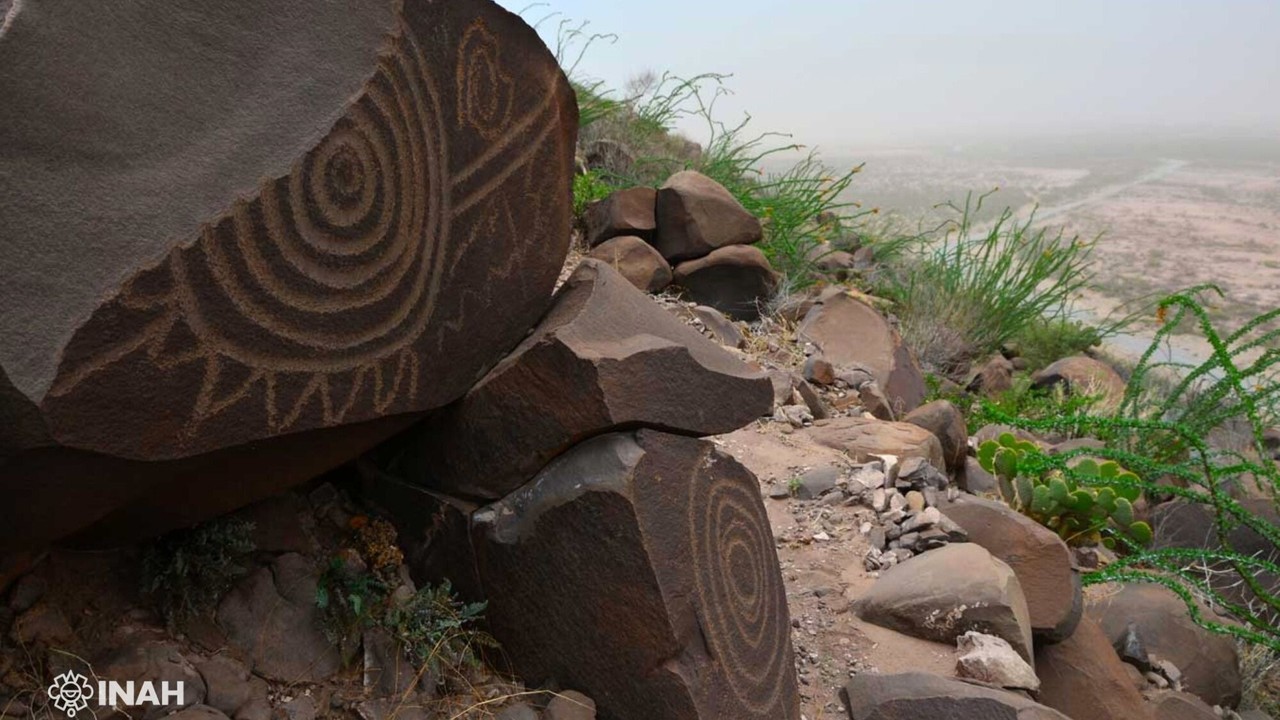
(740, 592)
(326, 294)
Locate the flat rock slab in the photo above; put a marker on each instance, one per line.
(851, 333)
(606, 357)
(224, 224)
(1042, 562)
(948, 592)
(863, 438)
(640, 569)
(917, 696)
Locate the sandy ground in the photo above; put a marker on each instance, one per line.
(823, 577)
(1200, 224)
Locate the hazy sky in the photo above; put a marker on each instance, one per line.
(849, 73)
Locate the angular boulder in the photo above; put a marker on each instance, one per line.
(912, 696)
(1082, 375)
(635, 260)
(851, 333)
(696, 215)
(1082, 677)
(272, 619)
(862, 438)
(722, 329)
(606, 357)
(735, 280)
(1209, 663)
(626, 212)
(1042, 562)
(994, 377)
(992, 660)
(946, 422)
(640, 568)
(366, 219)
(948, 592)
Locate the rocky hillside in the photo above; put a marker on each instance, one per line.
(332, 394)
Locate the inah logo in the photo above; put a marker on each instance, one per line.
(71, 693)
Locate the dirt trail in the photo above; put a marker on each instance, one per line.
(824, 576)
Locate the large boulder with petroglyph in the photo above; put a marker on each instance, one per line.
(246, 242)
(640, 569)
(605, 358)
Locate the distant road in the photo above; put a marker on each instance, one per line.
(1165, 168)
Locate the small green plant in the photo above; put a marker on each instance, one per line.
(1045, 340)
(588, 187)
(794, 485)
(1027, 402)
(187, 571)
(962, 291)
(436, 628)
(1163, 429)
(1086, 504)
(360, 590)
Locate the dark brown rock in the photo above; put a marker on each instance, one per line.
(722, 329)
(948, 592)
(1209, 663)
(1037, 556)
(850, 333)
(993, 378)
(626, 212)
(917, 696)
(862, 438)
(947, 424)
(44, 624)
(145, 658)
(818, 370)
(976, 479)
(696, 215)
(1179, 523)
(1082, 677)
(635, 260)
(1271, 442)
(198, 712)
(1082, 375)
(230, 685)
(736, 280)
(605, 357)
(640, 568)
(271, 617)
(812, 399)
(262, 242)
(837, 264)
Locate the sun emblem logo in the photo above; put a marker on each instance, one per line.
(70, 693)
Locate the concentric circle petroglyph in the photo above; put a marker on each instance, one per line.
(740, 592)
(328, 279)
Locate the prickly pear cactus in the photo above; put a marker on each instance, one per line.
(1089, 504)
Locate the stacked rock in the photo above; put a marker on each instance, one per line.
(619, 554)
(691, 231)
